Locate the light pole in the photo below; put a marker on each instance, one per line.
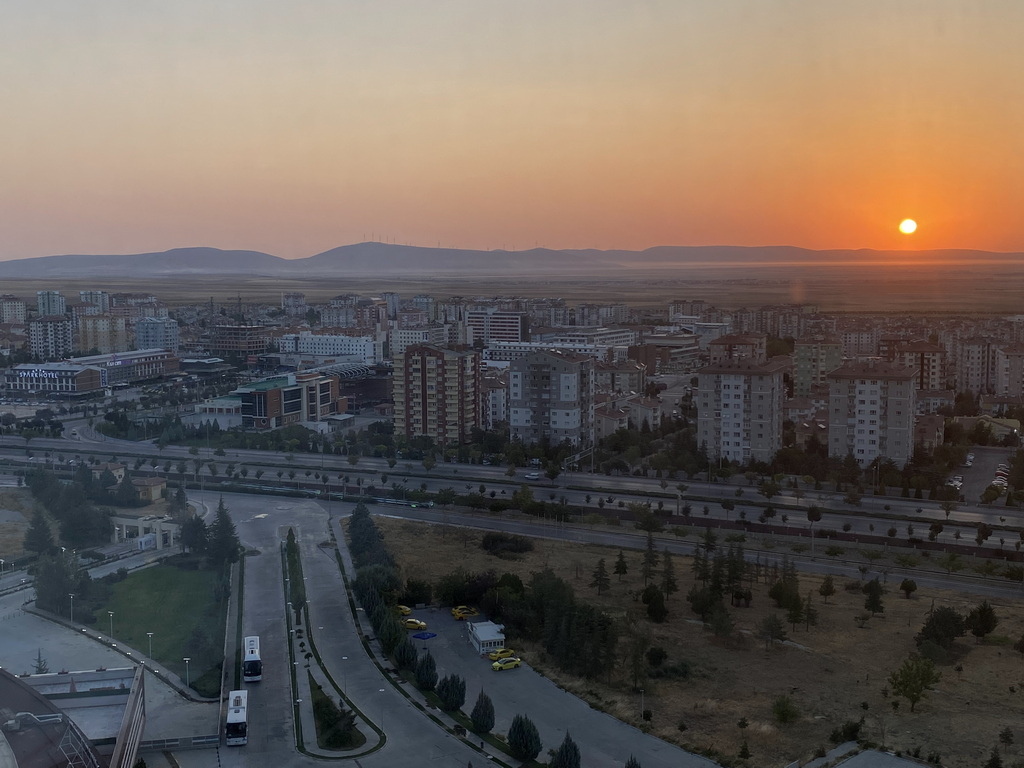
(188, 682)
(344, 674)
(72, 596)
(150, 636)
(111, 615)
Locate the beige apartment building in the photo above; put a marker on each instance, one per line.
(437, 393)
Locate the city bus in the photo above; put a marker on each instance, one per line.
(237, 727)
(252, 666)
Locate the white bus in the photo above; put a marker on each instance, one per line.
(237, 729)
(252, 665)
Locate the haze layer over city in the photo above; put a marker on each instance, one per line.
(567, 384)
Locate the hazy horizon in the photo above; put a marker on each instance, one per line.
(293, 129)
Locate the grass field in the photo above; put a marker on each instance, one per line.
(183, 610)
(829, 672)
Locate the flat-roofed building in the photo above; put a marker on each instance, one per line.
(50, 303)
(13, 309)
(53, 378)
(492, 324)
(306, 398)
(871, 411)
(50, 337)
(813, 358)
(740, 408)
(551, 397)
(239, 340)
(133, 366)
(104, 333)
(437, 393)
(157, 333)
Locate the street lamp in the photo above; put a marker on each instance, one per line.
(188, 682)
(150, 636)
(72, 596)
(111, 615)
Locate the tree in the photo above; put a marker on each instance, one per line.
(452, 692)
(668, 574)
(426, 672)
(771, 630)
(567, 755)
(523, 739)
(994, 760)
(827, 588)
(41, 666)
(873, 596)
(39, 537)
(601, 581)
(654, 599)
(194, 535)
(482, 715)
(942, 627)
(621, 569)
(982, 620)
(222, 548)
(912, 679)
(650, 560)
(908, 587)
(1019, 646)
(633, 763)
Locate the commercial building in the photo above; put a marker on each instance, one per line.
(871, 411)
(53, 378)
(305, 398)
(437, 393)
(551, 397)
(367, 349)
(238, 340)
(740, 409)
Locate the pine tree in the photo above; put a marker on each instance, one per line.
(38, 537)
(982, 620)
(523, 739)
(633, 763)
(567, 755)
(620, 566)
(827, 588)
(668, 574)
(873, 602)
(650, 560)
(222, 549)
(601, 581)
(405, 654)
(482, 715)
(426, 672)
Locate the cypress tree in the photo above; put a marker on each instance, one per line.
(523, 739)
(482, 715)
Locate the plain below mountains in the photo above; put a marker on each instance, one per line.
(375, 259)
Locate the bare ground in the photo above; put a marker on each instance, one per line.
(828, 672)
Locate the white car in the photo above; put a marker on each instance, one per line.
(532, 475)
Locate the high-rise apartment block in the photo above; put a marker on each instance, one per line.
(103, 333)
(157, 333)
(739, 409)
(813, 358)
(13, 309)
(491, 324)
(50, 337)
(437, 393)
(100, 299)
(871, 411)
(49, 303)
(928, 361)
(551, 397)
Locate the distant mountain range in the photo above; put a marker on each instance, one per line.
(375, 259)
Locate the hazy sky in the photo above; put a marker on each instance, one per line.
(293, 127)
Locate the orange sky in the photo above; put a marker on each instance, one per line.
(295, 127)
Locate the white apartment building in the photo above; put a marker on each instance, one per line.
(1009, 370)
(157, 333)
(871, 411)
(100, 299)
(740, 409)
(975, 365)
(13, 309)
(50, 303)
(50, 337)
(403, 338)
(492, 324)
(368, 349)
(551, 396)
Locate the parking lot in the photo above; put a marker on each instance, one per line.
(604, 741)
(980, 474)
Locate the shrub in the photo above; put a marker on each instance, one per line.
(502, 544)
(848, 731)
(784, 710)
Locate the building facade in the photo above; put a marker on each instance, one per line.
(740, 409)
(551, 397)
(157, 333)
(104, 333)
(50, 336)
(871, 411)
(297, 398)
(812, 361)
(437, 393)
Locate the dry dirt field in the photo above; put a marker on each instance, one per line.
(16, 509)
(828, 672)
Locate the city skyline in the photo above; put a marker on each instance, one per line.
(295, 129)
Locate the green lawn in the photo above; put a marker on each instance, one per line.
(184, 609)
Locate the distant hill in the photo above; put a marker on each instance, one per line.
(376, 259)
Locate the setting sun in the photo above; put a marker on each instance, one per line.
(908, 226)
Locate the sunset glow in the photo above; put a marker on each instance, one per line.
(294, 129)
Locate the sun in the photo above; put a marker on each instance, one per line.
(908, 226)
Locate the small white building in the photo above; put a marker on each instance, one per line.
(486, 636)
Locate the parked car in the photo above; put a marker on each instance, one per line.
(510, 663)
(414, 624)
(403, 610)
(532, 475)
(464, 613)
(501, 653)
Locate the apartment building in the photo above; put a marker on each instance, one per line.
(50, 303)
(50, 336)
(157, 333)
(975, 365)
(551, 397)
(740, 408)
(437, 393)
(871, 411)
(403, 338)
(739, 346)
(366, 348)
(813, 358)
(104, 333)
(928, 361)
(13, 309)
(239, 340)
(99, 299)
(1009, 370)
(492, 324)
